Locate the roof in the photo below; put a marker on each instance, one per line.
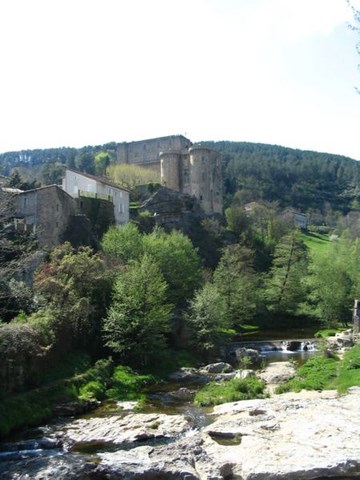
(22, 192)
(104, 180)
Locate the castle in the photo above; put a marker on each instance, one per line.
(183, 167)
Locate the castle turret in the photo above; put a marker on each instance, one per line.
(205, 178)
(170, 170)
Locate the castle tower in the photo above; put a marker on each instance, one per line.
(206, 178)
(170, 170)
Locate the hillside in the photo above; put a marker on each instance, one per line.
(304, 180)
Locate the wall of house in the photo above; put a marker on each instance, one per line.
(80, 185)
(46, 211)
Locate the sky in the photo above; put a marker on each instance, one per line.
(88, 72)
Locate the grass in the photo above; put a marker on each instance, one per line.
(231, 391)
(317, 243)
(322, 373)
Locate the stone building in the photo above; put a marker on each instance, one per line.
(190, 169)
(46, 211)
(80, 184)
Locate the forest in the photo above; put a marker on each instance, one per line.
(148, 297)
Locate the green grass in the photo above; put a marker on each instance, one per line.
(320, 373)
(349, 370)
(317, 243)
(216, 393)
(127, 385)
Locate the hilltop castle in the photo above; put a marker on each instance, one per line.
(183, 167)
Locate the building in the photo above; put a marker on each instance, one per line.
(186, 168)
(80, 184)
(45, 211)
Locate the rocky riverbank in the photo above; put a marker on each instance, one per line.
(302, 436)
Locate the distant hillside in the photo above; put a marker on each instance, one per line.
(302, 179)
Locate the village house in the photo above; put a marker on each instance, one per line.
(80, 184)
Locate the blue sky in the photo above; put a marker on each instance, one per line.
(87, 72)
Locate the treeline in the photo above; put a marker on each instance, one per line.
(304, 180)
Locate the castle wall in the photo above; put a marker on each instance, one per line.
(147, 152)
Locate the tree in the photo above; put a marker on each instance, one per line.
(102, 161)
(236, 282)
(129, 176)
(139, 316)
(284, 286)
(85, 162)
(76, 288)
(334, 282)
(206, 319)
(178, 262)
(123, 243)
(17, 251)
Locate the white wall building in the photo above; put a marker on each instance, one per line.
(80, 184)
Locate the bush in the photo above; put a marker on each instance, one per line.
(126, 384)
(349, 371)
(231, 391)
(318, 373)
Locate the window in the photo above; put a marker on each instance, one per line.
(121, 209)
(25, 202)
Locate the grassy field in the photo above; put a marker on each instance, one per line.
(317, 243)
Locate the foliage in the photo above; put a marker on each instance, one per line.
(206, 319)
(178, 261)
(123, 243)
(130, 176)
(230, 391)
(349, 370)
(284, 286)
(76, 288)
(139, 316)
(333, 283)
(236, 282)
(317, 373)
(127, 384)
(102, 161)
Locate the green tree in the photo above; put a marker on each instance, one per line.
(129, 176)
(236, 281)
(102, 161)
(206, 320)
(139, 317)
(334, 282)
(76, 288)
(85, 162)
(123, 243)
(285, 287)
(178, 261)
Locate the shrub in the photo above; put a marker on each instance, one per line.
(231, 391)
(318, 373)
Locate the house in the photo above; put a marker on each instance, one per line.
(80, 184)
(44, 211)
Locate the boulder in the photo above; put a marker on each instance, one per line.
(219, 367)
(244, 374)
(277, 372)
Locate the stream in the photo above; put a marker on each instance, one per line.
(24, 455)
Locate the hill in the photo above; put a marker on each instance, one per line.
(305, 180)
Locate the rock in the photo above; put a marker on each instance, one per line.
(285, 438)
(277, 372)
(219, 367)
(182, 395)
(71, 409)
(251, 355)
(190, 376)
(244, 374)
(131, 428)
